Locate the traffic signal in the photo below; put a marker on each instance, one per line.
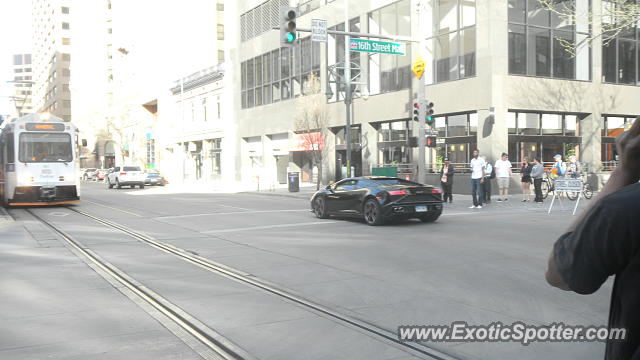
(431, 141)
(288, 26)
(429, 112)
(416, 112)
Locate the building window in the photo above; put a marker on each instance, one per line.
(66, 57)
(543, 134)
(620, 53)
(451, 34)
(151, 152)
(204, 109)
(65, 26)
(261, 19)
(220, 6)
(537, 36)
(220, 32)
(335, 55)
(219, 110)
(17, 59)
(65, 10)
(66, 41)
(390, 72)
(220, 56)
(215, 146)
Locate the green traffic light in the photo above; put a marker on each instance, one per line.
(429, 119)
(291, 37)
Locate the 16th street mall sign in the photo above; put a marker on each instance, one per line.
(381, 47)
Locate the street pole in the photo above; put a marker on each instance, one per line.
(422, 110)
(347, 84)
(184, 155)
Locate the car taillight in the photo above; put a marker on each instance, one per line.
(397, 192)
(123, 173)
(436, 191)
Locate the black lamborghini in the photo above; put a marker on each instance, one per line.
(378, 199)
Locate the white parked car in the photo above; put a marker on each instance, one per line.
(125, 176)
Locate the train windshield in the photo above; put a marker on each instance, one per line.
(45, 147)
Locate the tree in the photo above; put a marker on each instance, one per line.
(614, 19)
(311, 123)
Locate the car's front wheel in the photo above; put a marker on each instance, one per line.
(430, 217)
(373, 212)
(109, 185)
(320, 208)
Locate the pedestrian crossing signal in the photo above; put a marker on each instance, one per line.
(431, 141)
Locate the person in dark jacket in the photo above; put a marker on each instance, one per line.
(605, 241)
(537, 171)
(446, 180)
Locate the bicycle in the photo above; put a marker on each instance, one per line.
(546, 185)
(587, 192)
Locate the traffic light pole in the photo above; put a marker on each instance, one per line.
(422, 118)
(422, 110)
(347, 91)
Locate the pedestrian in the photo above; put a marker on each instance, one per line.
(489, 173)
(559, 166)
(604, 241)
(503, 175)
(537, 170)
(477, 179)
(446, 180)
(525, 171)
(573, 168)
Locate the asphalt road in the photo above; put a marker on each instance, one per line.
(478, 266)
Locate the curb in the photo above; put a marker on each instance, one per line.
(306, 196)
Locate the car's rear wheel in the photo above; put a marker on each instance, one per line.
(373, 212)
(430, 217)
(141, 186)
(320, 208)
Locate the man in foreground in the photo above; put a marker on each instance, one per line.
(605, 241)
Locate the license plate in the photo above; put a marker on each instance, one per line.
(421, 208)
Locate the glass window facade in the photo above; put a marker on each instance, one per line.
(335, 55)
(279, 74)
(612, 126)
(390, 72)
(537, 40)
(451, 40)
(620, 53)
(542, 134)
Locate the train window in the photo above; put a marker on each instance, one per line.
(45, 147)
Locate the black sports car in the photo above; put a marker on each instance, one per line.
(378, 199)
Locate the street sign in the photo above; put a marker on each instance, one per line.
(418, 67)
(381, 47)
(319, 30)
(571, 185)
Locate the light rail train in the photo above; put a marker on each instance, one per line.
(38, 161)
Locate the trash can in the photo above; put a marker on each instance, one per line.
(293, 179)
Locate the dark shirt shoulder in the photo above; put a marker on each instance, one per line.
(605, 243)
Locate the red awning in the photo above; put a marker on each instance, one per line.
(307, 142)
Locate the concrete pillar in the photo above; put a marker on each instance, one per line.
(492, 69)
(329, 157)
(591, 146)
(369, 148)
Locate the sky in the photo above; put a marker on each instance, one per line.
(15, 38)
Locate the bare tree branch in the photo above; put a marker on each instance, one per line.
(311, 122)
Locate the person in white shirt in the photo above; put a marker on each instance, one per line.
(503, 175)
(477, 166)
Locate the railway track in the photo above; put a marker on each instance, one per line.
(218, 349)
